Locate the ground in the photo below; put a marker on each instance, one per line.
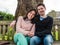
(55, 43)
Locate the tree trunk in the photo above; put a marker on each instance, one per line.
(24, 5)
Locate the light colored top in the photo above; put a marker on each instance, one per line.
(23, 26)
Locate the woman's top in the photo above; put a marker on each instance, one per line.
(24, 26)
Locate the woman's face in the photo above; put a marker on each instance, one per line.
(31, 14)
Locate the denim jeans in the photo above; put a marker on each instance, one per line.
(35, 40)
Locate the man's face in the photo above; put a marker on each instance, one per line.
(41, 10)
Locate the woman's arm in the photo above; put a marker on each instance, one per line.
(19, 29)
(31, 33)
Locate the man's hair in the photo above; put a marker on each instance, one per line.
(41, 4)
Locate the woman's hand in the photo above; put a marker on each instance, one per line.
(31, 34)
(26, 32)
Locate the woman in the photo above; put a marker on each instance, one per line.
(25, 28)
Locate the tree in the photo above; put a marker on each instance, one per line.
(24, 5)
(52, 14)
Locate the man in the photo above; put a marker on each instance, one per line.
(43, 27)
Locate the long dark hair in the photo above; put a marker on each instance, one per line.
(32, 20)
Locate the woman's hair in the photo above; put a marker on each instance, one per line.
(32, 20)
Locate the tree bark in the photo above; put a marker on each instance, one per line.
(24, 5)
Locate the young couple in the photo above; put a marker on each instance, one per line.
(34, 27)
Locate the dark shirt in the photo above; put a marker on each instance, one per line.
(43, 27)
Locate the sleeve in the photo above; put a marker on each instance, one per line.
(12, 24)
(18, 26)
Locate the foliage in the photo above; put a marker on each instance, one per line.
(52, 14)
(10, 33)
(6, 16)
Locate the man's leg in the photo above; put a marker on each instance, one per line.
(20, 39)
(35, 40)
(48, 40)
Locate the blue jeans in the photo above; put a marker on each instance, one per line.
(48, 40)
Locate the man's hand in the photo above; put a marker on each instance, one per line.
(12, 23)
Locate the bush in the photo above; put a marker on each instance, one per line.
(8, 35)
(6, 16)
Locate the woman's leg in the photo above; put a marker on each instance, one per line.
(20, 39)
(28, 39)
(48, 40)
(35, 40)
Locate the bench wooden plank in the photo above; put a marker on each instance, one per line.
(4, 42)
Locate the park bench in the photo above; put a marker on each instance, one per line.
(4, 28)
(4, 42)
